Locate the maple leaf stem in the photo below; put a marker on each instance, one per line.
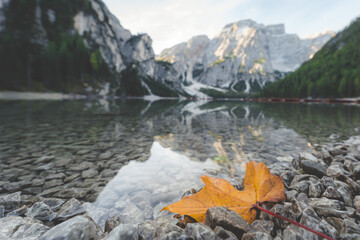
(293, 222)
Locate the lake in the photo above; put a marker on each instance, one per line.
(133, 157)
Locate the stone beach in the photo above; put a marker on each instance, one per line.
(322, 191)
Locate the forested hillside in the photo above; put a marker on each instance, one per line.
(333, 72)
(40, 50)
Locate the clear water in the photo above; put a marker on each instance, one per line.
(133, 157)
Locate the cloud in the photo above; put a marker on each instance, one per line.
(173, 21)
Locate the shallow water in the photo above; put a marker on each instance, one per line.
(135, 156)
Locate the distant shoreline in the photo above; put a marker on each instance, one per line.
(10, 95)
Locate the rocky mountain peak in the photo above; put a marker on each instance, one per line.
(243, 57)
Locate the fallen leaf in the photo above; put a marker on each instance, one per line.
(259, 186)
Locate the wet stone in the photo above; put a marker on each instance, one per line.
(124, 231)
(283, 210)
(224, 234)
(37, 182)
(310, 218)
(302, 198)
(330, 212)
(71, 177)
(106, 155)
(346, 195)
(332, 193)
(326, 157)
(30, 231)
(227, 219)
(28, 200)
(16, 186)
(112, 222)
(288, 176)
(82, 166)
(173, 235)
(313, 168)
(315, 189)
(50, 192)
(256, 236)
(2, 211)
(263, 226)
(40, 211)
(350, 228)
(45, 167)
(55, 176)
(305, 156)
(130, 213)
(8, 225)
(89, 173)
(334, 170)
(72, 193)
(326, 203)
(328, 182)
(162, 225)
(199, 231)
(77, 228)
(53, 203)
(53, 183)
(10, 201)
(356, 172)
(357, 203)
(70, 209)
(292, 233)
(290, 194)
(32, 190)
(107, 173)
(18, 212)
(335, 222)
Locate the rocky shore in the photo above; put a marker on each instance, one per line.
(322, 191)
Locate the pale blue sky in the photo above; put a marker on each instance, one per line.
(169, 22)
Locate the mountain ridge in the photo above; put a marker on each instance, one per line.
(81, 47)
(243, 57)
(333, 71)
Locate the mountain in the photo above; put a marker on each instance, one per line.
(334, 71)
(77, 46)
(244, 57)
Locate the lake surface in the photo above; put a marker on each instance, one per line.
(133, 157)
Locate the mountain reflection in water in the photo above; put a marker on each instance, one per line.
(48, 147)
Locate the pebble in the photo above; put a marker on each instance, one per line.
(227, 219)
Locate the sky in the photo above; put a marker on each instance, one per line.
(169, 22)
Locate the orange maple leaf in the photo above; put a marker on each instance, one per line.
(259, 186)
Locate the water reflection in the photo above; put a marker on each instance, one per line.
(141, 189)
(49, 147)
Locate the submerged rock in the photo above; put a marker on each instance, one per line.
(77, 228)
(112, 222)
(40, 211)
(70, 209)
(10, 201)
(9, 225)
(30, 231)
(53, 203)
(124, 231)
